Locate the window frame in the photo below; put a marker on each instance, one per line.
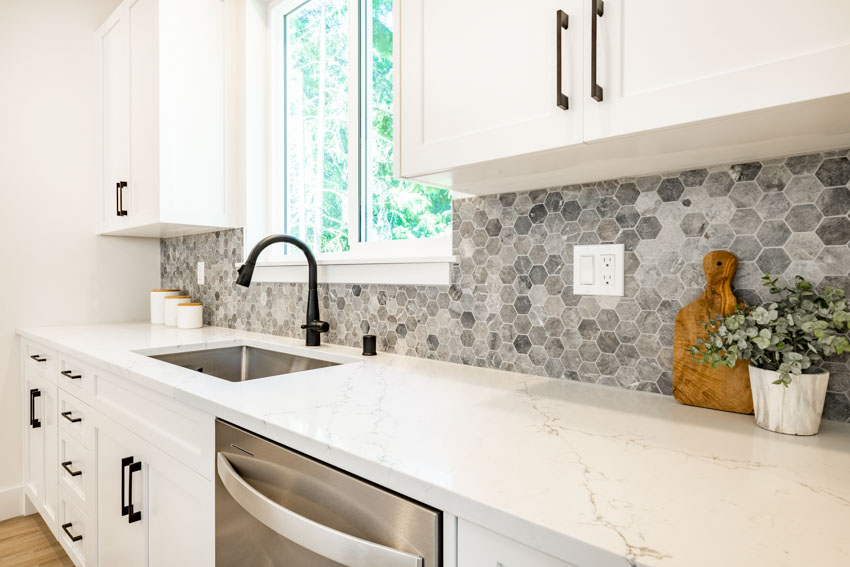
(415, 256)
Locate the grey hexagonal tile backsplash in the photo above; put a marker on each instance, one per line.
(511, 305)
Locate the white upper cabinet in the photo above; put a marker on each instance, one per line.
(161, 118)
(663, 63)
(653, 86)
(479, 80)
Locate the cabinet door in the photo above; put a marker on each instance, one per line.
(144, 112)
(119, 541)
(34, 427)
(662, 63)
(182, 522)
(477, 80)
(114, 49)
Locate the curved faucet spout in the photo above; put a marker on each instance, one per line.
(314, 325)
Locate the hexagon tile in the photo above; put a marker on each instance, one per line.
(511, 305)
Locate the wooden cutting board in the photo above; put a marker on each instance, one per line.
(698, 384)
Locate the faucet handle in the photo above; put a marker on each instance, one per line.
(318, 326)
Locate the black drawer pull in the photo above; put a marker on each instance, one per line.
(597, 8)
(66, 466)
(34, 422)
(563, 23)
(73, 537)
(71, 375)
(38, 358)
(67, 415)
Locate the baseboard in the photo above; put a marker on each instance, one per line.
(11, 502)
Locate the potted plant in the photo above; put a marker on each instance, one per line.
(784, 341)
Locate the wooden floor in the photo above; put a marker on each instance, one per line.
(26, 541)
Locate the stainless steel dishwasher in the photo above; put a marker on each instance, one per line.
(274, 506)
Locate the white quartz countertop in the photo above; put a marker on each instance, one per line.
(593, 475)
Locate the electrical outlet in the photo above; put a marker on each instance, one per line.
(200, 273)
(608, 269)
(599, 269)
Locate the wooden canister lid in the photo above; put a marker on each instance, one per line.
(187, 304)
(179, 297)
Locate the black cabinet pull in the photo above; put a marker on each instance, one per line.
(127, 509)
(67, 415)
(597, 8)
(73, 537)
(125, 462)
(119, 199)
(563, 22)
(67, 467)
(34, 423)
(71, 375)
(135, 515)
(38, 358)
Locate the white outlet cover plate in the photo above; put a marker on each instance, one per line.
(597, 251)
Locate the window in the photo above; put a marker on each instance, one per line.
(331, 104)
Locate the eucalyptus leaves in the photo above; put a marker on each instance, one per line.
(788, 336)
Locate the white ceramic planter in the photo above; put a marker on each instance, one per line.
(795, 410)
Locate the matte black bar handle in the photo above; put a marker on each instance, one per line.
(119, 199)
(135, 515)
(38, 358)
(67, 467)
(71, 375)
(73, 537)
(67, 415)
(125, 462)
(34, 423)
(563, 22)
(597, 8)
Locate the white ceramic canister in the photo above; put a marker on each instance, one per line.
(190, 315)
(171, 308)
(158, 304)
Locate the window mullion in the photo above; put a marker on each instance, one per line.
(355, 128)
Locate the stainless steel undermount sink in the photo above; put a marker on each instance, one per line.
(241, 363)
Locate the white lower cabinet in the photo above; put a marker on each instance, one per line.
(480, 547)
(110, 496)
(40, 444)
(151, 510)
(121, 507)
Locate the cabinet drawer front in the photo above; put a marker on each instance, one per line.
(76, 471)
(39, 359)
(480, 547)
(180, 431)
(75, 525)
(75, 419)
(74, 377)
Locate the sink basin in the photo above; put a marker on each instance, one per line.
(241, 363)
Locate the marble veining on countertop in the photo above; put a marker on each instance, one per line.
(594, 475)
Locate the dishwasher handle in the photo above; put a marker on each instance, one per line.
(318, 538)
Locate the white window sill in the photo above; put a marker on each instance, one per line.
(426, 270)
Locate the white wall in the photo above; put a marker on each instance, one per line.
(56, 271)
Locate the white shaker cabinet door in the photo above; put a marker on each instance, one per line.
(114, 124)
(182, 522)
(662, 63)
(477, 80)
(122, 531)
(34, 439)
